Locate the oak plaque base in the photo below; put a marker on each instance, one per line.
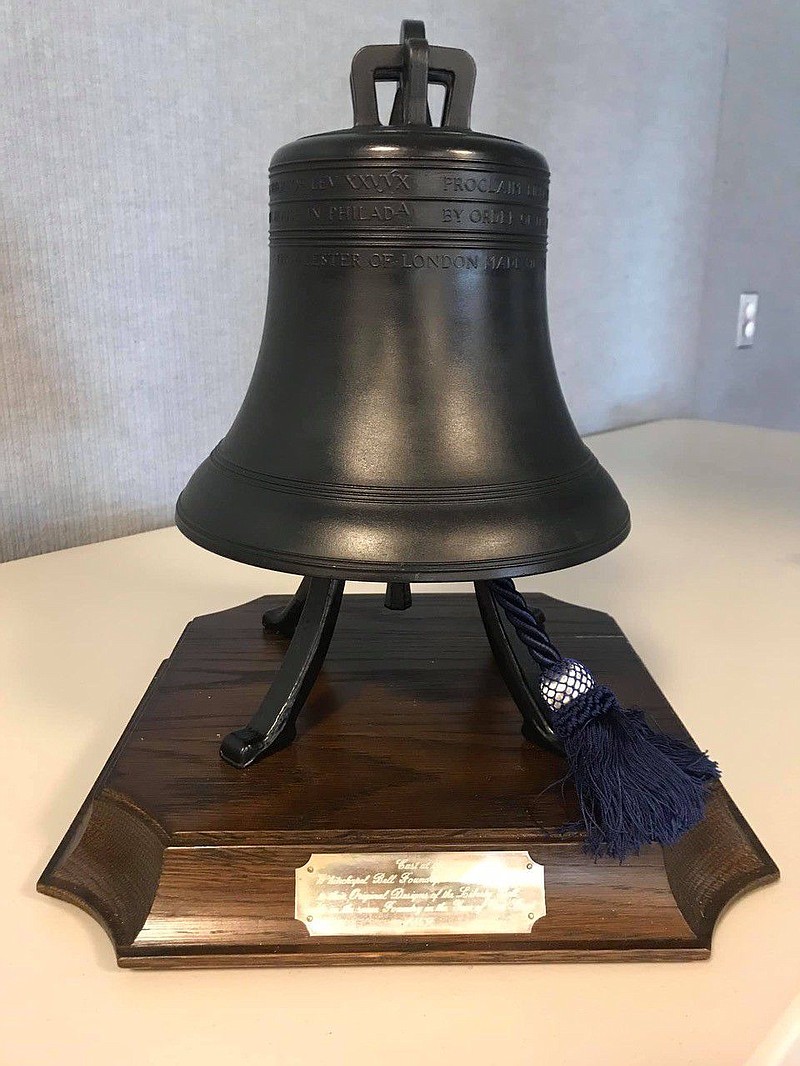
(408, 742)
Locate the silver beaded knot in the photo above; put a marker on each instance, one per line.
(562, 683)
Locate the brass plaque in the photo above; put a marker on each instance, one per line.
(419, 893)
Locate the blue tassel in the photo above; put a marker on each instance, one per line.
(635, 786)
(691, 760)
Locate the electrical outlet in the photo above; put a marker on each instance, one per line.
(746, 320)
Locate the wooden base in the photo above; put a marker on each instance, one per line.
(409, 741)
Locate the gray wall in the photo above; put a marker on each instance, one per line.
(133, 250)
(754, 240)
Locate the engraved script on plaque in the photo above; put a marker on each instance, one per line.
(419, 893)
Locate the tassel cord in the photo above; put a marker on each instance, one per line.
(529, 631)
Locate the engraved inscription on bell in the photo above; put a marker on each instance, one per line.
(419, 893)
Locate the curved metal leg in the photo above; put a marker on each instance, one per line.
(284, 619)
(272, 727)
(517, 670)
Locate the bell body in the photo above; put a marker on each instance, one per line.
(404, 420)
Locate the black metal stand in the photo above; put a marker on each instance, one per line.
(309, 619)
(517, 669)
(284, 619)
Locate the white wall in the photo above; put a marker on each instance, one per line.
(133, 250)
(754, 240)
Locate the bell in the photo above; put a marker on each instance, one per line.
(404, 421)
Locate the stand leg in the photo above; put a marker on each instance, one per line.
(517, 670)
(284, 619)
(398, 596)
(272, 727)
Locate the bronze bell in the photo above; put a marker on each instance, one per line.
(404, 421)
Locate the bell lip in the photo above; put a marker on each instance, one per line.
(351, 570)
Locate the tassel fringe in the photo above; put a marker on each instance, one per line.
(635, 785)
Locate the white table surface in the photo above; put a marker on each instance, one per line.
(707, 588)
